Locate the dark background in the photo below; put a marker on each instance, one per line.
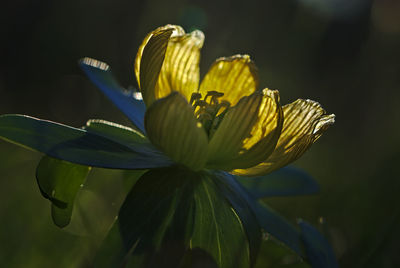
(344, 54)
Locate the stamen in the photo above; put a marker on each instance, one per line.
(215, 93)
(209, 110)
(200, 103)
(224, 105)
(195, 96)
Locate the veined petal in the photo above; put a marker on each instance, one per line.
(180, 71)
(172, 127)
(304, 122)
(235, 76)
(264, 134)
(150, 58)
(174, 58)
(248, 132)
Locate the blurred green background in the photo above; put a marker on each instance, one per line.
(344, 54)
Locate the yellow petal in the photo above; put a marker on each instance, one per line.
(304, 122)
(150, 58)
(180, 71)
(235, 76)
(171, 126)
(248, 133)
(264, 134)
(174, 61)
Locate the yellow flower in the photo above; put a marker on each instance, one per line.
(226, 122)
(223, 123)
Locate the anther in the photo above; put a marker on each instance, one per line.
(200, 103)
(215, 93)
(209, 110)
(195, 96)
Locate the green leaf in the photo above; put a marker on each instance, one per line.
(100, 74)
(129, 137)
(59, 181)
(286, 181)
(218, 229)
(319, 252)
(277, 226)
(155, 221)
(269, 220)
(73, 144)
(244, 211)
(174, 217)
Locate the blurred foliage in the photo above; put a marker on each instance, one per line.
(343, 55)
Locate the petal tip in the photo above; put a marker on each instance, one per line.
(198, 37)
(272, 93)
(238, 57)
(323, 124)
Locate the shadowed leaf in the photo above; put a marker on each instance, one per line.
(269, 220)
(59, 181)
(73, 144)
(287, 181)
(319, 252)
(100, 74)
(175, 217)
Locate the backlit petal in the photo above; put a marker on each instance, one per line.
(172, 127)
(180, 71)
(304, 122)
(265, 133)
(235, 76)
(174, 60)
(150, 58)
(248, 133)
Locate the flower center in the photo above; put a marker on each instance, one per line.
(209, 110)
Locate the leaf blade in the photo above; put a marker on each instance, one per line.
(167, 220)
(100, 74)
(73, 144)
(244, 212)
(154, 220)
(319, 251)
(287, 181)
(218, 229)
(269, 220)
(59, 181)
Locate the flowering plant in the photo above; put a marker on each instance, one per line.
(200, 145)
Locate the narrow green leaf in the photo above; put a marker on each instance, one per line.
(244, 211)
(129, 137)
(319, 252)
(307, 242)
(286, 181)
(59, 181)
(73, 144)
(100, 74)
(277, 226)
(218, 229)
(269, 220)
